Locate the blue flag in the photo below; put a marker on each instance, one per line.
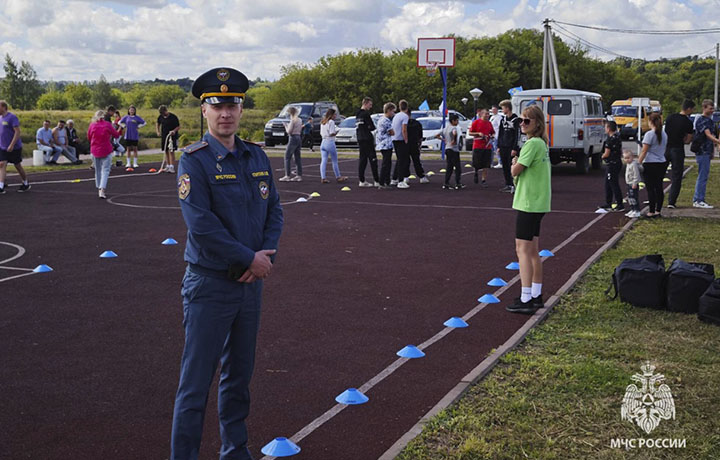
(514, 91)
(424, 105)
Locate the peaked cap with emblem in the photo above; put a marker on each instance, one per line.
(221, 85)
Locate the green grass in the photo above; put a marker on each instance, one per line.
(558, 395)
(251, 125)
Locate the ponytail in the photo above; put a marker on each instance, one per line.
(656, 120)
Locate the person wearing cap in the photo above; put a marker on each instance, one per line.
(232, 211)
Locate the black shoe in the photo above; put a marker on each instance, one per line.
(671, 206)
(2, 191)
(618, 208)
(475, 178)
(446, 187)
(538, 301)
(24, 188)
(527, 308)
(605, 206)
(459, 186)
(484, 184)
(78, 162)
(508, 189)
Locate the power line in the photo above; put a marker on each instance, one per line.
(572, 36)
(711, 30)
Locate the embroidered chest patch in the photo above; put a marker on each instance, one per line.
(184, 186)
(264, 190)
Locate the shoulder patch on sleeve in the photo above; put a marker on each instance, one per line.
(183, 186)
(192, 148)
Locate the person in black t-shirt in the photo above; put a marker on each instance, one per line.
(167, 128)
(679, 130)
(612, 156)
(508, 136)
(415, 138)
(364, 127)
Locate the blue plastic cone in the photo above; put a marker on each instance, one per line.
(546, 253)
(280, 447)
(455, 322)
(352, 396)
(108, 255)
(410, 351)
(169, 241)
(42, 269)
(488, 298)
(513, 266)
(497, 282)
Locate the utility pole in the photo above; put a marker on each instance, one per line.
(717, 56)
(550, 67)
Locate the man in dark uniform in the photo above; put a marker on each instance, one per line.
(508, 137)
(234, 219)
(364, 127)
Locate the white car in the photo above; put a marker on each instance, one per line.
(432, 126)
(346, 132)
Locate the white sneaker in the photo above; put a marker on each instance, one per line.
(135, 165)
(376, 184)
(101, 194)
(701, 204)
(498, 166)
(365, 184)
(127, 165)
(424, 180)
(403, 185)
(393, 182)
(171, 169)
(284, 179)
(296, 179)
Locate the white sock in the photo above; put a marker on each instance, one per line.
(536, 289)
(25, 182)
(526, 294)
(2, 184)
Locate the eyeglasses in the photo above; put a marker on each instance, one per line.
(525, 121)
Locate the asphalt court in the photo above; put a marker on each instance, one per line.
(94, 346)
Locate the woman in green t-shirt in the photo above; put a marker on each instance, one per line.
(531, 170)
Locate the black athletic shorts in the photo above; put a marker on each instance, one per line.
(527, 225)
(13, 157)
(481, 158)
(131, 143)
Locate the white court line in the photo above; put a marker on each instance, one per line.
(151, 192)
(440, 206)
(20, 253)
(337, 408)
(2, 280)
(16, 268)
(92, 179)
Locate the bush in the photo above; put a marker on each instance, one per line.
(52, 100)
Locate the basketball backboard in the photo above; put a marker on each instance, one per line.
(439, 51)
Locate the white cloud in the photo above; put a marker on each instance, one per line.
(80, 39)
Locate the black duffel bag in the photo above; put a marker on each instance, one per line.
(640, 281)
(709, 304)
(686, 282)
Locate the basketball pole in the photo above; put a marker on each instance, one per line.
(443, 74)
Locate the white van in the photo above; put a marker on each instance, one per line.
(575, 124)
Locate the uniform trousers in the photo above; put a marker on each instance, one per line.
(402, 165)
(367, 154)
(221, 320)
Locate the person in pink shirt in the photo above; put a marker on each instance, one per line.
(100, 135)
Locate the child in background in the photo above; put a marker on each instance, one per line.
(307, 138)
(632, 178)
(451, 134)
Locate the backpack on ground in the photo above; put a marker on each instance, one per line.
(709, 304)
(686, 282)
(640, 281)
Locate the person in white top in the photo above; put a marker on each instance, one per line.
(328, 131)
(495, 120)
(294, 129)
(402, 150)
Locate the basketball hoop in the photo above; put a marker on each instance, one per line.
(431, 68)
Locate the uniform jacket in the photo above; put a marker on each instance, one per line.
(229, 203)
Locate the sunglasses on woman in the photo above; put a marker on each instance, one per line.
(525, 121)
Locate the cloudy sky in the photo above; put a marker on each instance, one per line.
(145, 39)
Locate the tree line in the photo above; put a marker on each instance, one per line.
(493, 64)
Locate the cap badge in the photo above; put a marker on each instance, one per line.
(223, 74)
(223, 88)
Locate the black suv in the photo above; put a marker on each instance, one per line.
(275, 129)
